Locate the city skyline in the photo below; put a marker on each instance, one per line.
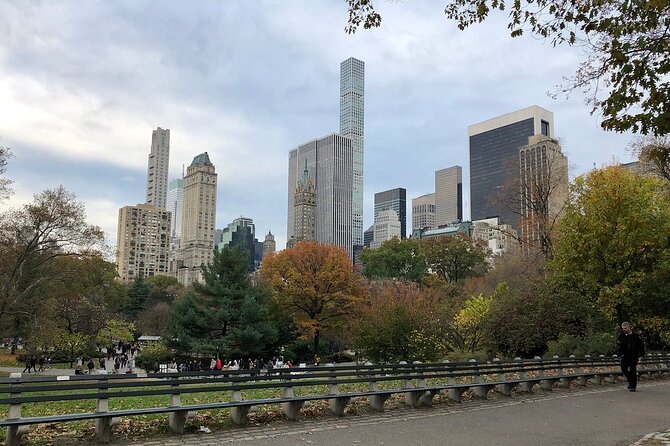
(79, 100)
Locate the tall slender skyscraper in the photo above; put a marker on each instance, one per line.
(352, 101)
(494, 159)
(157, 170)
(395, 199)
(198, 218)
(329, 163)
(175, 204)
(448, 195)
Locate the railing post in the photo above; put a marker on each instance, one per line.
(337, 404)
(376, 401)
(545, 384)
(426, 397)
(411, 398)
(291, 408)
(177, 418)
(566, 380)
(503, 388)
(524, 386)
(613, 374)
(239, 413)
(14, 433)
(103, 425)
(480, 391)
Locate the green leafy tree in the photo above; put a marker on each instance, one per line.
(625, 41)
(395, 259)
(613, 240)
(115, 330)
(32, 238)
(226, 314)
(138, 296)
(468, 332)
(455, 258)
(163, 289)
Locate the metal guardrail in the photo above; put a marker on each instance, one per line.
(420, 383)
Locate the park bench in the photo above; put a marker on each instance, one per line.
(420, 383)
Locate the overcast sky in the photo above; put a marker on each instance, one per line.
(84, 83)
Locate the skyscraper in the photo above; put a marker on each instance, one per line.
(423, 212)
(352, 101)
(395, 199)
(448, 195)
(143, 241)
(330, 166)
(304, 208)
(175, 204)
(494, 159)
(240, 232)
(157, 170)
(387, 226)
(543, 173)
(269, 244)
(198, 218)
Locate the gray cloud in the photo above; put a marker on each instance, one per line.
(85, 82)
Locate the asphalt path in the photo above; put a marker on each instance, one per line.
(608, 415)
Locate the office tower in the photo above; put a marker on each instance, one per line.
(387, 226)
(198, 218)
(157, 171)
(543, 183)
(369, 236)
(448, 195)
(352, 101)
(494, 159)
(500, 238)
(423, 212)
(143, 241)
(304, 210)
(175, 204)
(240, 232)
(330, 166)
(269, 244)
(395, 199)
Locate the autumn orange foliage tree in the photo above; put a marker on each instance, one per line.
(316, 284)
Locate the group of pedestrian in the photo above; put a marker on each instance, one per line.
(31, 362)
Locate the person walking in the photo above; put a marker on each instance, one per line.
(27, 363)
(33, 363)
(630, 349)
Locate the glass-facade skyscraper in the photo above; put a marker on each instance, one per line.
(157, 168)
(352, 101)
(175, 203)
(494, 159)
(395, 199)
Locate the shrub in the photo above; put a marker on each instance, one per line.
(151, 355)
(593, 344)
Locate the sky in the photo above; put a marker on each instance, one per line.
(83, 83)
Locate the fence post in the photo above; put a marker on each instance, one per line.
(524, 386)
(14, 433)
(103, 425)
(337, 404)
(239, 413)
(177, 418)
(426, 397)
(291, 408)
(376, 401)
(503, 388)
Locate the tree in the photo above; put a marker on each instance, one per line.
(115, 330)
(469, 330)
(455, 258)
(625, 41)
(316, 283)
(138, 296)
(401, 321)
(5, 183)
(226, 314)
(32, 238)
(395, 259)
(614, 240)
(163, 289)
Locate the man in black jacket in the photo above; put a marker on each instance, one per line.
(630, 348)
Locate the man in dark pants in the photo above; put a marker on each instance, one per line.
(630, 348)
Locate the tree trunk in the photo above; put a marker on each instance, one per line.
(619, 313)
(316, 342)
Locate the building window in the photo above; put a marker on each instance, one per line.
(545, 128)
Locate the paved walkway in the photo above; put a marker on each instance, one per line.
(52, 371)
(596, 416)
